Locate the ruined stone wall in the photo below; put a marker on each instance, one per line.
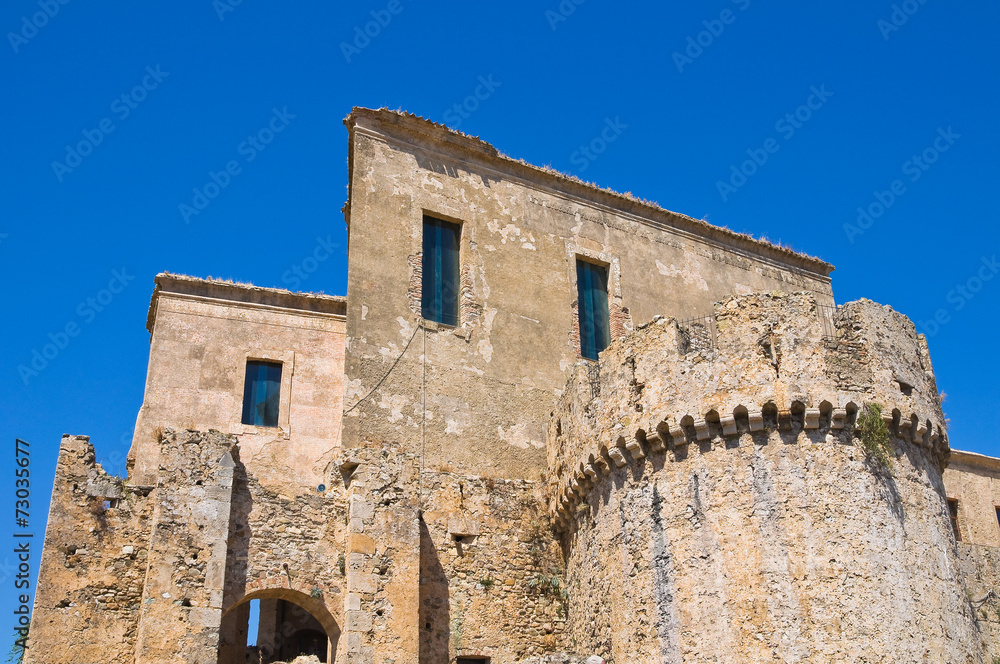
(980, 567)
(441, 565)
(202, 334)
(491, 382)
(93, 564)
(717, 503)
(166, 573)
(283, 547)
(491, 571)
(382, 561)
(183, 594)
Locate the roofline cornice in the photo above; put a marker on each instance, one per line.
(411, 130)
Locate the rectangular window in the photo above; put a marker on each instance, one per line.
(439, 295)
(473, 660)
(261, 393)
(998, 516)
(953, 513)
(592, 291)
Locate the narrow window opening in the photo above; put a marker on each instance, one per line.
(953, 513)
(439, 294)
(592, 292)
(261, 393)
(473, 660)
(998, 516)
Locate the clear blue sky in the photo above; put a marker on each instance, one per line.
(210, 75)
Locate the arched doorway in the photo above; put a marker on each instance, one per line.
(287, 624)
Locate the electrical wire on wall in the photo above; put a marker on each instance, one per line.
(423, 401)
(423, 422)
(420, 324)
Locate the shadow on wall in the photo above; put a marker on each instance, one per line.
(435, 612)
(290, 623)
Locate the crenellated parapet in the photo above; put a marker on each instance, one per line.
(769, 362)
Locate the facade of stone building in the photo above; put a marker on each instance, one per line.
(439, 468)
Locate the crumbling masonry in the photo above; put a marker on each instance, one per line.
(712, 489)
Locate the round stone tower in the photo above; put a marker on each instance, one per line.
(762, 485)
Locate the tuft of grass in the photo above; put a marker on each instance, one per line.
(874, 434)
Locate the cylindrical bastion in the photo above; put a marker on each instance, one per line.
(717, 503)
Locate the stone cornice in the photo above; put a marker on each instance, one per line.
(973, 461)
(248, 295)
(425, 134)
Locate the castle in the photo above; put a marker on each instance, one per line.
(548, 423)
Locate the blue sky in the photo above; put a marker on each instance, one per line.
(119, 114)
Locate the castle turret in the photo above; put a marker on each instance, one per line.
(763, 484)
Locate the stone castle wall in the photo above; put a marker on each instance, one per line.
(165, 573)
(202, 332)
(442, 565)
(93, 566)
(974, 481)
(491, 381)
(980, 567)
(717, 504)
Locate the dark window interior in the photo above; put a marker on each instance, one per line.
(953, 512)
(440, 287)
(592, 289)
(261, 393)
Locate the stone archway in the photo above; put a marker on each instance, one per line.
(291, 623)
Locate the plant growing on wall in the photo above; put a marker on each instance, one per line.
(874, 434)
(16, 654)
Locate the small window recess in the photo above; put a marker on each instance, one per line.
(441, 286)
(262, 393)
(953, 514)
(593, 310)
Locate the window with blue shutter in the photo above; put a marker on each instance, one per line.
(262, 393)
(439, 299)
(592, 291)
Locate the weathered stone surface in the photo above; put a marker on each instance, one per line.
(490, 382)
(93, 565)
(973, 480)
(785, 544)
(202, 332)
(185, 576)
